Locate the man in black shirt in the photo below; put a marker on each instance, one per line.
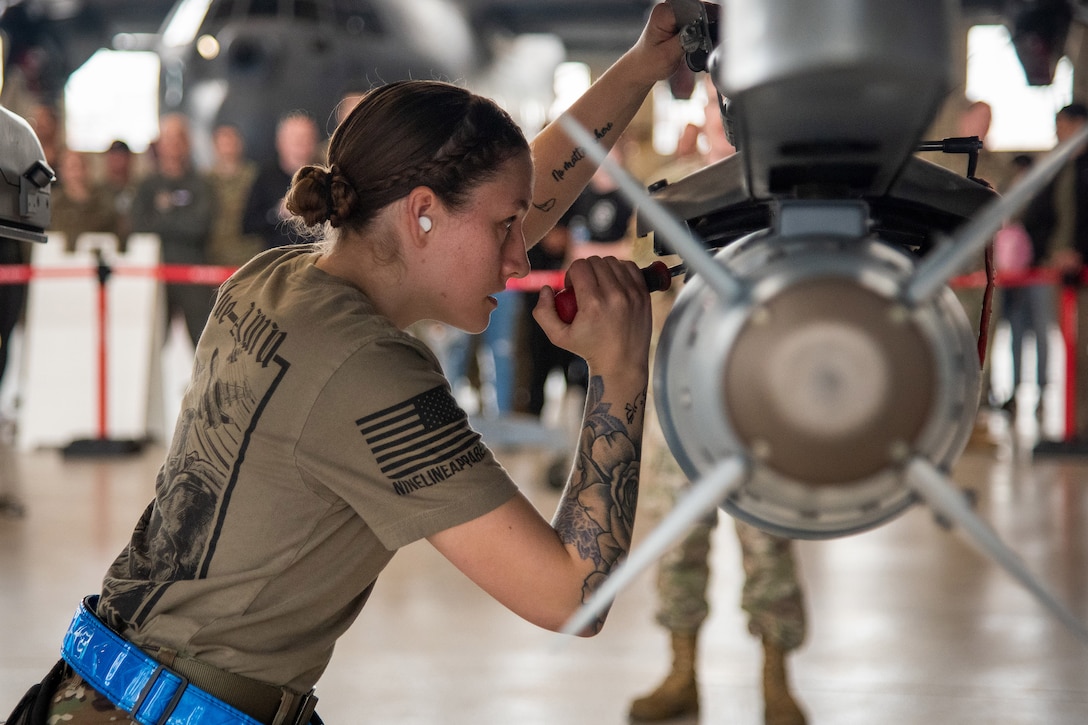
(296, 146)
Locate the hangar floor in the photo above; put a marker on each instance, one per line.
(908, 625)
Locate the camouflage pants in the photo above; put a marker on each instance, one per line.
(76, 702)
(771, 596)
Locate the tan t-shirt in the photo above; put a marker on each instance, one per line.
(314, 440)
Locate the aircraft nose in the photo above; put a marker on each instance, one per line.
(251, 55)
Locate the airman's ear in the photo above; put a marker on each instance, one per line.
(421, 213)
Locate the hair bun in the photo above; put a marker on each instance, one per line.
(308, 197)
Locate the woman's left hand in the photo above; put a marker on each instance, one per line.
(658, 52)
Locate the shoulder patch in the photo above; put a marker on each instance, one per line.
(423, 434)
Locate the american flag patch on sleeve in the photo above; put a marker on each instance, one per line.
(424, 432)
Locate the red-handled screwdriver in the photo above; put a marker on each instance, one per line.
(658, 278)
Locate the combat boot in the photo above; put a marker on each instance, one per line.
(779, 707)
(678, 694)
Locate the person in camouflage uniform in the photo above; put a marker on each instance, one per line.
(772, 594)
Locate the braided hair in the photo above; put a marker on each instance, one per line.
(400, 136)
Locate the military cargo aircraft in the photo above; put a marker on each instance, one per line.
(250, 61)
(247, 62)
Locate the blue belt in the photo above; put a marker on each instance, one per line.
(134, 681)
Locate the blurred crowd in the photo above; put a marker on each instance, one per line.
(219, 215)
(225, 212)
(232, 208)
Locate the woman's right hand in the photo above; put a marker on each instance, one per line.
(612, 328)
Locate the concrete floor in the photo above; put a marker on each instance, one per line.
(908, 624)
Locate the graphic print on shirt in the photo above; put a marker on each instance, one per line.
(422, 441)
(224, 405)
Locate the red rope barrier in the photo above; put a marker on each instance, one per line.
(170, 273)
(212, 275)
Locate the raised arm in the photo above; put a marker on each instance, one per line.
(544, 572)
(605, 109)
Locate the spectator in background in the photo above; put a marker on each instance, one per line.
(231, 176)
(495, 356)
(15, 93)
(79, 203)
(347, 104)
(178, 204)
(1019, 246)
(772, 595)
(974, 119)
(1066, 203)
(45, 120)
(296, 146)
(600, 218)
(596, 224)
(552, 253)
(119, 180)
(348, 101)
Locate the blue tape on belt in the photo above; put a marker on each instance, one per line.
(134, 681)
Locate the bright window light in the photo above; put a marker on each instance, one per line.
(571, 81)
(114, 95)
(1023, 115)
(672, 115)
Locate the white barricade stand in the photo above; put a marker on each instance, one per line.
(63, 397)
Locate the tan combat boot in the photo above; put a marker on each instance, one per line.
(779, 707)
(678, 694)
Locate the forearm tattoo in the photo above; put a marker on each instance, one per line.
(578, 153)
(597, 512)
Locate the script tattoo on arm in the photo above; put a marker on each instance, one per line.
(579, 153)
(597, 513)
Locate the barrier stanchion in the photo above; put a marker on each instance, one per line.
(103, 440)
(102, 444)
(1072, 444)
(1068, 323)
